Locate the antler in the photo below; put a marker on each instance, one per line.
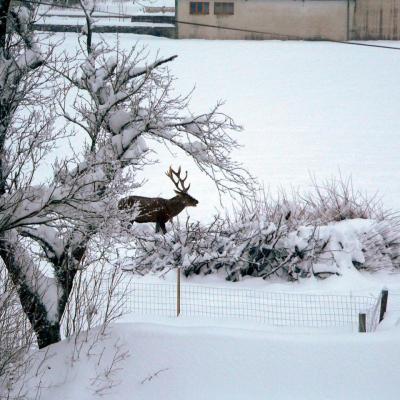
(170, 173)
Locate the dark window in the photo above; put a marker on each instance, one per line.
(223, 8)
(199, 7)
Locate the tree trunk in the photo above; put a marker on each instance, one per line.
(48, 334)
(4, 7)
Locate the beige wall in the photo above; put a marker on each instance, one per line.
(308, 19)
(376, 19)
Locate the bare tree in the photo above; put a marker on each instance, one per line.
(119, 99)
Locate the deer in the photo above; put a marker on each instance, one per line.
(157, 209)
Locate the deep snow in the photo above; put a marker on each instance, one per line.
(186, 362)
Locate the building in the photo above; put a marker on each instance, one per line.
(289, 19)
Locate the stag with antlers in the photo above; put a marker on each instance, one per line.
(157, 209)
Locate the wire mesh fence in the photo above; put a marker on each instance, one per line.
(275, 309)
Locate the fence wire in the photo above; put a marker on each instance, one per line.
(275, 309)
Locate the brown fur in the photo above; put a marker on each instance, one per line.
(157, 209)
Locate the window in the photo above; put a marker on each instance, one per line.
(223, 8)
(199, 7)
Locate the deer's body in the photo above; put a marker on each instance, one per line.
(157, 209)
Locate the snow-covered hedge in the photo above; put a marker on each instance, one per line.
(291, 240)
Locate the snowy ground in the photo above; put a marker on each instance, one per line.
(307, 108)
(187, 362)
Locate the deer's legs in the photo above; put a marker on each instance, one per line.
(161, 226)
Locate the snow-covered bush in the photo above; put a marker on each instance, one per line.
(287, 239)
(249, 245)
(381, 246)
(332, 200)
(336, 200)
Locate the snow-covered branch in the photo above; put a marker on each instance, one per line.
(49, 238)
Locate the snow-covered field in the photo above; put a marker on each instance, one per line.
(307, 108)
(150, 361)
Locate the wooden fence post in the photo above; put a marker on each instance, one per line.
(362, 322)
(178, 291)
(384, 300)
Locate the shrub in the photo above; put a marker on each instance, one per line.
(317, 234)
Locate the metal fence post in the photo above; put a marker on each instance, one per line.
(384, 300)
(362, 322)
(178, 291)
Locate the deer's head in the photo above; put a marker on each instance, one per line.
(181, 190)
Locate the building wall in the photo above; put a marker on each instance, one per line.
(283, 19)
(376, 19)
